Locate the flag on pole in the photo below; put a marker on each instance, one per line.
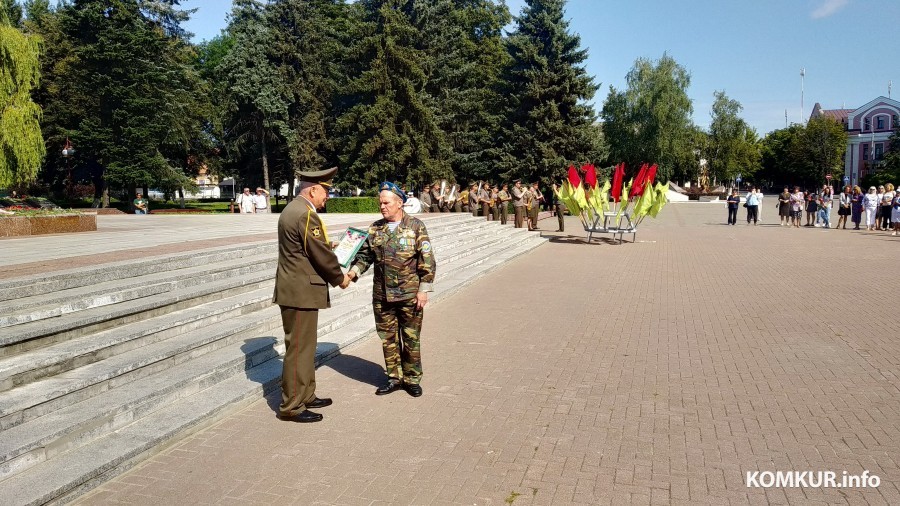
(639, 180)
(618, 175)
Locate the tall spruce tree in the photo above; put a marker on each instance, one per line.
(548, 121)
(256, 103)
(466, 55)
(307, 42)
(389, 131)
(21, 144)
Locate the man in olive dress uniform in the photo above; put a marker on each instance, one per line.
(306, 266)
(518, 194)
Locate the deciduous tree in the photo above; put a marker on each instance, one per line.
(733, 146)
(650, 121)
(21, 143)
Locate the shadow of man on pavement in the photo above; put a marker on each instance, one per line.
(261, 361)
(355, 368)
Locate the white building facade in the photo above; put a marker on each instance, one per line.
(868, 129)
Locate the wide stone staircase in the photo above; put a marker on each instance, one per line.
(101, 366)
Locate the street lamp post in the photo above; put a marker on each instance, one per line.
(67, 152)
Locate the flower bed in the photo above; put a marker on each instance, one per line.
(37, 224)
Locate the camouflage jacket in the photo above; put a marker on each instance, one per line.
(404, 259)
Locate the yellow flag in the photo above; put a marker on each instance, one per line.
(659, 199)
(603, 196)
(623, 202)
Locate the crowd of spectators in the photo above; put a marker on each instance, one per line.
(878, 209)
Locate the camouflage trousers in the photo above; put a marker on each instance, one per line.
(398, 325)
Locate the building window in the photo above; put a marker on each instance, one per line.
(880, 122)
(896, 121)
(879, 152)
(865, 151)
(868, 124)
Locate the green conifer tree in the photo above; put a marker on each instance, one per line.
(466, 55)
(549, 122)
(388, 130)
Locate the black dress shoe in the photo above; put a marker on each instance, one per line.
(413, 390)
(318, 403)
(305, 416)
(391, 386)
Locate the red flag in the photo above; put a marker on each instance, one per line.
(574, 180)
(590, 175)
(651, 175)
(639, 181)
(618, 175)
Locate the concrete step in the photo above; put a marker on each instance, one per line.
(63, 433)
(19, 369)
(38, 334)
(132, 351)
(28, 286)
(71, 449)
(167, 297)
(73, 300)
(169, 275)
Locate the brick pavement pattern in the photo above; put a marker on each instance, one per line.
(651, 373)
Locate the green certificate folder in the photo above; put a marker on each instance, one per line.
(348, 247)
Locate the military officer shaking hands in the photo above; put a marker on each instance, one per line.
(306, 266)
(399, 248)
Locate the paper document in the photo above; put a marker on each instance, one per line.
(351, 242)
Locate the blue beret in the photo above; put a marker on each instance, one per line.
(391, 187)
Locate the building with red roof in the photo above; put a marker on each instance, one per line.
(868, 129)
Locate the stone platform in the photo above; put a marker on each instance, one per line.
(107, 355)
(659, 372)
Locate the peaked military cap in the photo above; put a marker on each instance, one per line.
(322, 177)
(391, 187)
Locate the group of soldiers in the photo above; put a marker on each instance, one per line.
(490, 201)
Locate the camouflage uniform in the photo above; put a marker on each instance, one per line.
(404, 265)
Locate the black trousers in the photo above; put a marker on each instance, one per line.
(732, 216)
(885, 217)
(752, 213)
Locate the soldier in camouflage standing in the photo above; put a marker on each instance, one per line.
(399, 247)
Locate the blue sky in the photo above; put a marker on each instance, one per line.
(751, 49)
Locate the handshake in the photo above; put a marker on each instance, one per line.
(349, 277)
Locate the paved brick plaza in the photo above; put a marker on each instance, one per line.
(658, 372)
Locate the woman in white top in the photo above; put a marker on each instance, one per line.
(844, 210)
(870, 206)
(887, 200)
(759, 198)
(895, 212)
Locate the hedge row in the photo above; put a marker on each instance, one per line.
(352, 205)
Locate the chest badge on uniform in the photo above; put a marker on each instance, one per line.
(316, 232)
